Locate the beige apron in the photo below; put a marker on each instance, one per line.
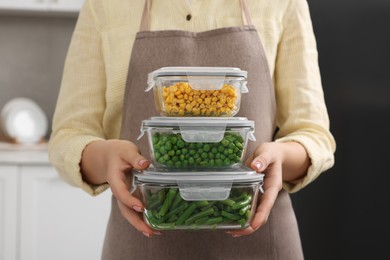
(225, 47)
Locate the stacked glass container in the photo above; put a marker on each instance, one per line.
(197, 178)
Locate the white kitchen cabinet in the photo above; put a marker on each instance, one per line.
(65, 5)
(41, 5)
(33, 5)
(44, 218)
(8, 212)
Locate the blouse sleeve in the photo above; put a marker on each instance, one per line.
(302, 114)
(81, 102)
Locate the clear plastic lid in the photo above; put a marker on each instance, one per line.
(204, 186)
(198, 71)
(210, 78)
(196, 129)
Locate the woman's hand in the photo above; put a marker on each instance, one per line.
(278, 161)
(110, 161)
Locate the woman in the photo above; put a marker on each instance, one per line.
(102, 102)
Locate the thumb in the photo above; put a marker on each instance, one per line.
(134, 157)
(260, 163)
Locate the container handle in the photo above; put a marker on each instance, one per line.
(197, 192)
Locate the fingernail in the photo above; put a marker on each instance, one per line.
(146, 234)
(258, 165)
(137, 208)
(236, 235)
(142, 162)
(157, 233)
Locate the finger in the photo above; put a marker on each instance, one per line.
(261, 216)
(133, 156)
(241, 232)
(264, 208)
(260, 162)
(136, 220)
(120, 189)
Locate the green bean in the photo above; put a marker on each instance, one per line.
(248, 214)
(242, 203)
(172, 218)
(201, 221)
(165, 225)
(228, 202)
(211, 204)
(176, 201)
(240, 197)
(201, 214)
(242, 222)
(177, 210)
(230, 215)
(167, 202)
(212, 221)
(186, 214)
(202, 203)
(157, 200)
(244, 209)
(217, 212)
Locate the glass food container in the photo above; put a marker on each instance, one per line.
(195, 202)
(194, 143)
(197, 91)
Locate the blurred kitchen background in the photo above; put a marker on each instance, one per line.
(342, 215)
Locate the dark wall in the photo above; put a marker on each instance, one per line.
(342, 213)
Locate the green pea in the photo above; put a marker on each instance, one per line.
(214, 150)
(206, 147)
(173, 139)
(168, 146)
(180, 144)
(170, 163)
(218, 162)
(171, 153)
(155, 139)
(163, 150)
(232, 157)
(225, 142)
(204, 155)
(178, 164)
(211, 162)
(226, 161)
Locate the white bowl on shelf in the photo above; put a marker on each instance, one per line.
(24, 121)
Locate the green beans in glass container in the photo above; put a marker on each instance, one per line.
(181, 214)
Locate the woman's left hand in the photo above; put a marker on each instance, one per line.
(267, 159)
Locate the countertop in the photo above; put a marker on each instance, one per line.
(24, 154)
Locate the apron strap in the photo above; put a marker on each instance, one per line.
(246, 18)
(145, 20)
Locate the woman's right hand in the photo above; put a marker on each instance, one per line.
(111, 161)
